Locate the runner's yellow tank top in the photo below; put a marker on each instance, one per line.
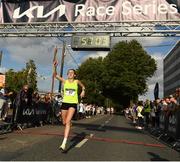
(70, 92)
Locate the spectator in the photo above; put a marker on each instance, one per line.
(21, 101)
(173, 104)
(3, 106)
(147, 110)
(134, 113)
(112, 110)
(167, 113)
(35, 98)
(153, 115)
(178, 97)
(126, 113)
(57, 102)
(93, 110)
(49, 111)
(157, 112)
(140, 123)
(88, 111)
(81, 110)
(5, 103)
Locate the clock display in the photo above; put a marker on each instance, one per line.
(91, 42)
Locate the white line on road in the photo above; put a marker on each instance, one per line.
(80, 144)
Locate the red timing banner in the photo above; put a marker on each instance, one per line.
(17, 11)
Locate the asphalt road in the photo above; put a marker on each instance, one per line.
(106, 137)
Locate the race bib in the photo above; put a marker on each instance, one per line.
(70, 92)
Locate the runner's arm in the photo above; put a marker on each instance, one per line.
(83, 89)
(55, 73)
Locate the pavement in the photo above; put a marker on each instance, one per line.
(104, 137)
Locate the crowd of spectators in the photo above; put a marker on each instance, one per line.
(15, 106)
(147, 114)
(36, 109)
(89, 110)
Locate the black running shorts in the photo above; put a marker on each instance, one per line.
(66, 106)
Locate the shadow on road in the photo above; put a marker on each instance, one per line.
(3, 138)
(156, 157)
(96, 127)
(75, 140)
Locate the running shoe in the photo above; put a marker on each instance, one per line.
(63, 150)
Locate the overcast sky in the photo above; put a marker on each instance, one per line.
(17, 51)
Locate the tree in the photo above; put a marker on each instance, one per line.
(31, 74)
(16, 80)
(127, 69)
(121, 76)
(90, 73)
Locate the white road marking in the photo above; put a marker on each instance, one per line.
(80, 144)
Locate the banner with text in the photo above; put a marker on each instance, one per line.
(15, 11)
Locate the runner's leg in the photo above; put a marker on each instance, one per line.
(69, 116)
(66, 117)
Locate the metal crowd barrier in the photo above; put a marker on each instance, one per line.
(169, 128)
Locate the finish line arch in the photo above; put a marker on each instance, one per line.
(116, 18)
(169, 28)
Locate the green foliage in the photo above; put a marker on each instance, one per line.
(90, 74)
(16, 80)
(128, 68)
(121, 76)
(91, 69)
(31, 74)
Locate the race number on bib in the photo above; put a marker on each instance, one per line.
(70, 92)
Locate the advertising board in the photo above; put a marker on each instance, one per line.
(15, 11)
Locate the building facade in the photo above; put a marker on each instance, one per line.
(172, 71)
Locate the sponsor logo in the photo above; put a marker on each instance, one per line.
(83, 10)
(40, 12)
(41, 112)
(28, 112)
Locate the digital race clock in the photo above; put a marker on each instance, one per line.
(91, 42)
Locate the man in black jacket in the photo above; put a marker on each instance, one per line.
(22, 99)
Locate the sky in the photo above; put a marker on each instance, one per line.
(17, 51)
